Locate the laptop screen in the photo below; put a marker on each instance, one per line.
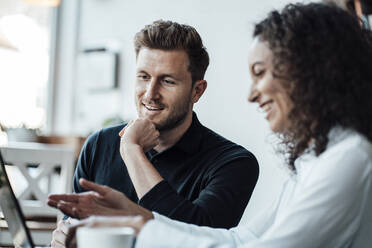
(12, 211)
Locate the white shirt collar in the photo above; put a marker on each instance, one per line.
(335, 136)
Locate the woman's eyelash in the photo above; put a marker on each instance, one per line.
(258, 73)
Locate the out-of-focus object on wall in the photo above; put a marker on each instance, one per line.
(362, 8)
(103, 64)
(5, 43)
(49, 3)
(345, 4)
(367, 6)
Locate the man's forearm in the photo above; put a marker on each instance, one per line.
(142, 173)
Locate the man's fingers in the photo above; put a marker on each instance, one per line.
(68, 209)
(74, 198)
(121, 133)
(52, 203)
(64, 207)
(88, 185)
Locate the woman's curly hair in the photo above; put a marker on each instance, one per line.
(326, 58)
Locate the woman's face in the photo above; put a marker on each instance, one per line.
(267, 89)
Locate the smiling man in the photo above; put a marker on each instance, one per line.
(165, 161)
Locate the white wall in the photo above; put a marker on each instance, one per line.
(226, 28)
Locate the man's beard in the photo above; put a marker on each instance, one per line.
(176, 117)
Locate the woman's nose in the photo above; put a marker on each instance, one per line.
(253, 94)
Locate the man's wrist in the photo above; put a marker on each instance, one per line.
(130, 149)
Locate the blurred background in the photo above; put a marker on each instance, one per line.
(67, 69)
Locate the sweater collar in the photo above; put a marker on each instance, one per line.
(191, 140)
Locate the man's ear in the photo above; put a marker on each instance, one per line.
(198, 90)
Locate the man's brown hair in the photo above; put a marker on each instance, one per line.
(168, 35)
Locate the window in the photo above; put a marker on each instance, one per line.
(25, 38)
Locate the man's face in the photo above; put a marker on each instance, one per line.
(163, 91)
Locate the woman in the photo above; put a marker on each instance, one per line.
(311, 72)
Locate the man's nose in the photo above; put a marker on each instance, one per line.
(152, 90)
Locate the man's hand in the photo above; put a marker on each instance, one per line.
(136, 222)
(100, 200)
(138, 137)
(140, 132)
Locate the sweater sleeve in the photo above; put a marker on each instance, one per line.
(188, 235)
(220, 204)
(85, 162)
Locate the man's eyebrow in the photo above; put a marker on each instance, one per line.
(170, 75)
(141, 71)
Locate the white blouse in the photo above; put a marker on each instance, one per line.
(328, 203)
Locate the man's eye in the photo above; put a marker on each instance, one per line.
(168, 81)
(143, 77)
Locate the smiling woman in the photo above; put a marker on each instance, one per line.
(327, 80)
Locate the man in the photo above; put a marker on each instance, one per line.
(165, 161)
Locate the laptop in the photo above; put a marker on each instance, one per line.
(12, 212)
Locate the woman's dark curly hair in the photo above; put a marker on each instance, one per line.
(326, 58)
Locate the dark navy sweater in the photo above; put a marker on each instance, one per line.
(208, 180)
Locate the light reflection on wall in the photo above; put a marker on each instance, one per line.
(23, 72)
